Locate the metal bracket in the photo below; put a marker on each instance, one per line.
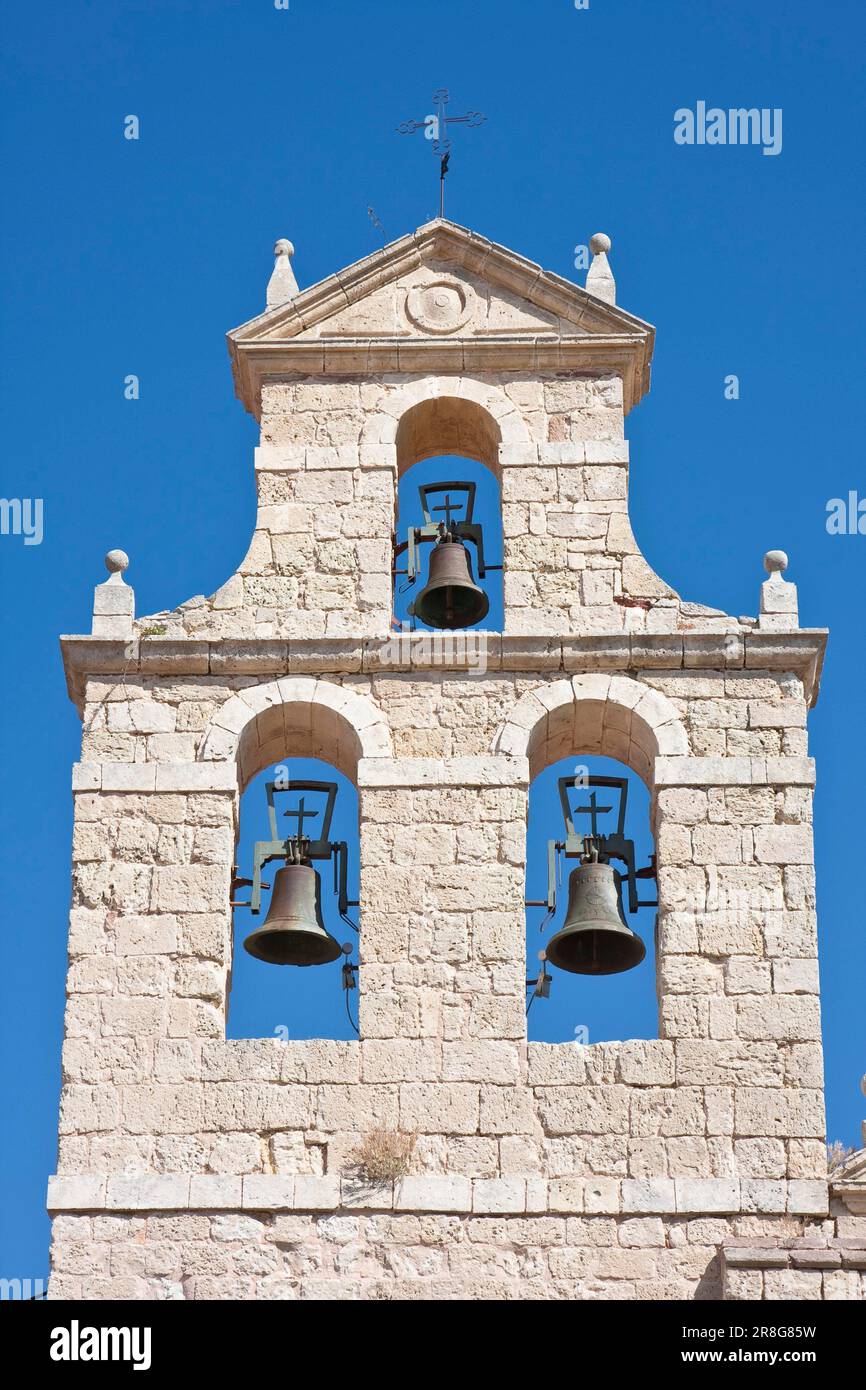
(614, 846)
(300, 847)
(463, 530)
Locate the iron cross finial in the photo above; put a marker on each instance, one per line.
(448, 508)
(300, 815)
(593, 810)
(435, 129)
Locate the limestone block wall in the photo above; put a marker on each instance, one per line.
(190, 1166)
(434, 712)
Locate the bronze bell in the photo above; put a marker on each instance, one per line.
(293, 932)
(594, 938)
(451, 598)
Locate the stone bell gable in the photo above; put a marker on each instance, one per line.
(441, 342)
(691, 1165)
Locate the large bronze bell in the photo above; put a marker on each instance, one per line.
(293, 932)
(451, 598)
(594, 938)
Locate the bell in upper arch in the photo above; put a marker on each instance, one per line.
(293, 932)
(594, 938)
(450, 598)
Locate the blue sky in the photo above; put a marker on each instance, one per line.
(126, 257)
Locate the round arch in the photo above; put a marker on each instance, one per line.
(447, 415)
(295, 717)
(614, 716)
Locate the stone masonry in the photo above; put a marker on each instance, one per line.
(691, 1166)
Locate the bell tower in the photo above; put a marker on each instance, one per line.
(691, 1165)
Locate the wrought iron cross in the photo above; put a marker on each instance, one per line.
(593, 810)
(300, 814)
(436, 129)
(448, 508)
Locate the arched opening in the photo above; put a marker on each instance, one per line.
(277, 734)
(291, 1001)
(448, 471)
(588, 727)
(448, 425)
(588, 1008)
(313, 720)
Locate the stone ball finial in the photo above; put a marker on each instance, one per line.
(116, 561)
(284, 247)
(599, 244)
(775, 561)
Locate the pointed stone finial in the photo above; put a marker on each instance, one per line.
(282, 285)
(599, 277)
(778, 611)
(113, 600)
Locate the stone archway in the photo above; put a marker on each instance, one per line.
(614, 716)
(296, 716)
(439, 415)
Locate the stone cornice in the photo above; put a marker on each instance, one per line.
(848, 1182)
(800, 652)
(447, 1192)
(807, 1252)
(255, 363)
(853, 1194)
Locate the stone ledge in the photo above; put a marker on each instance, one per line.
(437, 1192)
(440, 1192)
(734, 772)
(155, 777)
(148, 1192)
(492, 770)
(801, 652)
(808, 1252)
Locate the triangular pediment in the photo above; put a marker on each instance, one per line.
(435, 300)
(440, 287)
(441, 281)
